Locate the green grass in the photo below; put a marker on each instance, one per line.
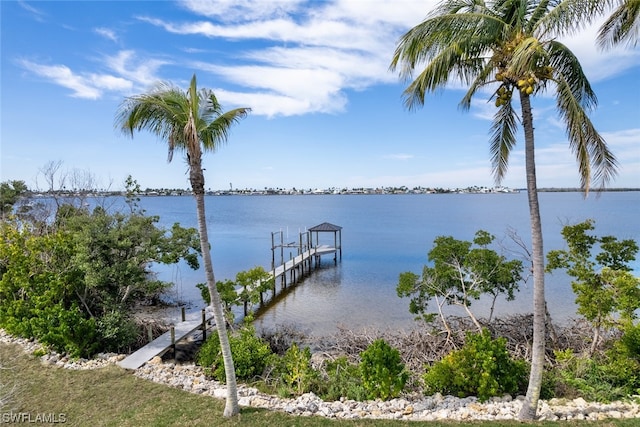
(114, 397)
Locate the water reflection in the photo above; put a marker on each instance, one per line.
(383, 237)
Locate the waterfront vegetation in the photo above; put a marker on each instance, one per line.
(63, 270)
(71, 277)
(598, 360)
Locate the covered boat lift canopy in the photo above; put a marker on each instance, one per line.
(327, 227)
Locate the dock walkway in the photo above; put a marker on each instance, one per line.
(296, 268)
(160, 345)
(307, 258)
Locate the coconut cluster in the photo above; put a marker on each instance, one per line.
(504, 95)
(526, 84)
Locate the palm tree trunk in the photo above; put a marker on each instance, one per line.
(530, 404)
(197, 183)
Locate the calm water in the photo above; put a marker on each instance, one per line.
(382, 236)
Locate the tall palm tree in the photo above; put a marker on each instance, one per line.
(193, 122)
(509, 46)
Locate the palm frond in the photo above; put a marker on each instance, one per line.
(513, 12)
(623, 26)
(565, 17)
(185, 119)
(595, 162)
(482, 79)
(217, 132)
(565, 64)
(538, 13)
(429, 39)
(435, 75)
(503, 139)
(451, 46)
(528, 55)
(458, 7)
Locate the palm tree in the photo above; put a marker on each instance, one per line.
(509, 46)
(191, 121)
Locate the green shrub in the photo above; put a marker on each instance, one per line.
(482, 368)
(226, 290)
(552, 385)
(39, 352)
(66, 331)
(297, 372)
(629, 343)
(603, 378)
(69, 282)
(117, 331)
(383, 373)
(250, 355)
(343, 380)
(623, 373)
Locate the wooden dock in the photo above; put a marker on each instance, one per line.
(308, 252)
(288, 272)
(302, 264)
(159, 346)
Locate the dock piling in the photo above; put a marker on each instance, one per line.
(204, 326)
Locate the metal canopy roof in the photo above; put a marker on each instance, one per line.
(325, 226)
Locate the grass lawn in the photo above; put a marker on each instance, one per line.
(114, 397)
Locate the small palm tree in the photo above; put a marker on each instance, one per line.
(509, 46)
(191, 121)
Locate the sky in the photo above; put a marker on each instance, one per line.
(326, 111)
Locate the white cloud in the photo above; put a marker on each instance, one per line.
(129, 72)
(37, 13)
(312, 90)
(271, 104)
(625, 145)
(597, 64)
(313, 78)
(314, 51)
(138, 69)
(107, 33)
(357, 69)
(87, 86)
(624, 138)
(62, 75)
(111, 83)
(241, 10)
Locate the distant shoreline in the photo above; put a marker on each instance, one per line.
(331, 192)
(577, 190)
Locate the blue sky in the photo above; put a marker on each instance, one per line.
(326, 111)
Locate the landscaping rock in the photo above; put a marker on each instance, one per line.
(411, 408)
